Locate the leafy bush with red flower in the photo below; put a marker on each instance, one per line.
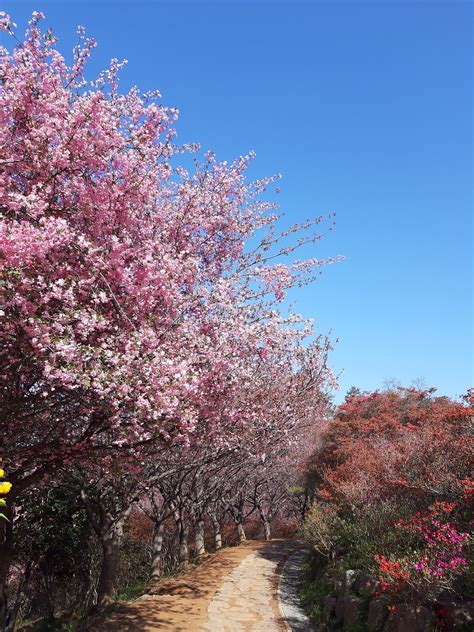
(392, 473)
(437, 555)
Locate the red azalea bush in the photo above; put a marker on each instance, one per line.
(393, 473)
(403, 443)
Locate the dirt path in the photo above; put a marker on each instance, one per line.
(233, 590)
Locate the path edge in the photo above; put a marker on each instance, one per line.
(281, 578)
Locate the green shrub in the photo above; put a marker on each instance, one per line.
(325, 531)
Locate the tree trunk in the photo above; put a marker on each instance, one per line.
(199, 545)
(217, 531)
(241, 532)
(13, 612)
(183, 548)
(267, 530)
(266, 524)
(157, 547)
(183, 530)
(108, 526)
(108, 572)
(6, 557)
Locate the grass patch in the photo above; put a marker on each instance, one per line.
(312, 591)
(358, 626)
(46, 625)
(132, 591)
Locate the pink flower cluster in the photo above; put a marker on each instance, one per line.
(128, 290)
(439, 552)
(442, 544)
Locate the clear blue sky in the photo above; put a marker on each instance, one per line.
(365, 108)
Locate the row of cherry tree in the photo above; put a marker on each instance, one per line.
(143, 348)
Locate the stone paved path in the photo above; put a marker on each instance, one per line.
(247, 601)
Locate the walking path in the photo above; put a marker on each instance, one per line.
(247, 602)
(235, 590)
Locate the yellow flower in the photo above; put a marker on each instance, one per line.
(2, 473)
(5, 487)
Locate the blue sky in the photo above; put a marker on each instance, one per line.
(365, 108)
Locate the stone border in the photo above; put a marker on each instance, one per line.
(292, 614)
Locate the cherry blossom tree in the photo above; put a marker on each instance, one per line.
(129, 297)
